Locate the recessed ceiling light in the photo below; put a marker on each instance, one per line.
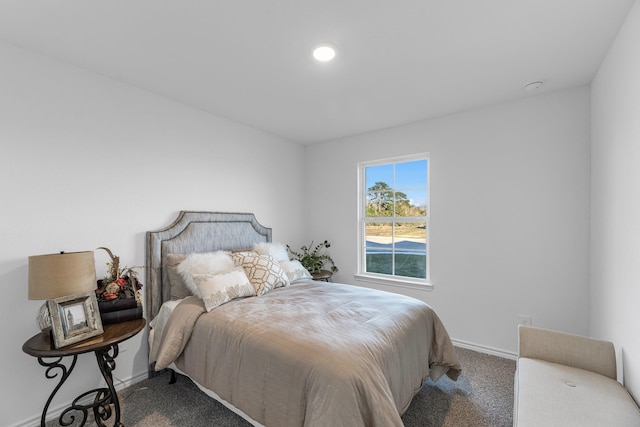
(324, 53)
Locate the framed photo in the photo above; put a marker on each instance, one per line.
(74, 318)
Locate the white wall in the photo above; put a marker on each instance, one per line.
(89, 162)
(509, 213)
(615, 181)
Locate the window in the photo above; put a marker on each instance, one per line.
(394, 219)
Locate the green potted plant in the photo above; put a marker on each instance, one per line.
(314, 258)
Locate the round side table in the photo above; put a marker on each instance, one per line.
(105, 347)
(323, 275)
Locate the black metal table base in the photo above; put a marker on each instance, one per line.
(103, 398)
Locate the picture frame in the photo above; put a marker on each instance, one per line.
(74, 318)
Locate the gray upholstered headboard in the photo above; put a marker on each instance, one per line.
(195, 232)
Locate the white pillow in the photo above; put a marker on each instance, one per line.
(216, 289)
(276, 250)
(295, 271)
(203, 263)
(263, 271)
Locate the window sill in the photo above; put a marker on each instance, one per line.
(403, 283)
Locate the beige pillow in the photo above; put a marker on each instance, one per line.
(295, 271)
(263, 271)
(178, 288)
(216, 289)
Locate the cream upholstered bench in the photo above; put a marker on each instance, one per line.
(568, 380)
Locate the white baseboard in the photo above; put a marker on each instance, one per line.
(484, 349)
(54, 413)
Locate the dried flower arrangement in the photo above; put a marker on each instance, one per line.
(119, 283)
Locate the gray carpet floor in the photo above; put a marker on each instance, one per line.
(481, 397)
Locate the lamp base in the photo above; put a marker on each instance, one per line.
(44, 319)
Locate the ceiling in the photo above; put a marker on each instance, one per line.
(397, 61)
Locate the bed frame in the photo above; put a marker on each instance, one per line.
(195, 232)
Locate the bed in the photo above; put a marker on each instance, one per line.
(302, 354)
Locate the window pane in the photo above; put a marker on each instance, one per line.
(379, 248)
(378, 174)
(411, 264)
(379, 203)
(411, 249)
(411, 174)
(412, 203)
(379, 262)
(411, 236)
(378, 235)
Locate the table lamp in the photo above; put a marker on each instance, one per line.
(57, 275)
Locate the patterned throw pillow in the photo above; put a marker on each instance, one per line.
(263, 271)
(295, 271)
(216, 289)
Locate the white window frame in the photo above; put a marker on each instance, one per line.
(387, 279)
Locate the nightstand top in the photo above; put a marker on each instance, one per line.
(322, 275)
(40, 345)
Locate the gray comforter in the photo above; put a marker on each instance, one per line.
(312, 354)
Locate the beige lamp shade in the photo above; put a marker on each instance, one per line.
(58, 275)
